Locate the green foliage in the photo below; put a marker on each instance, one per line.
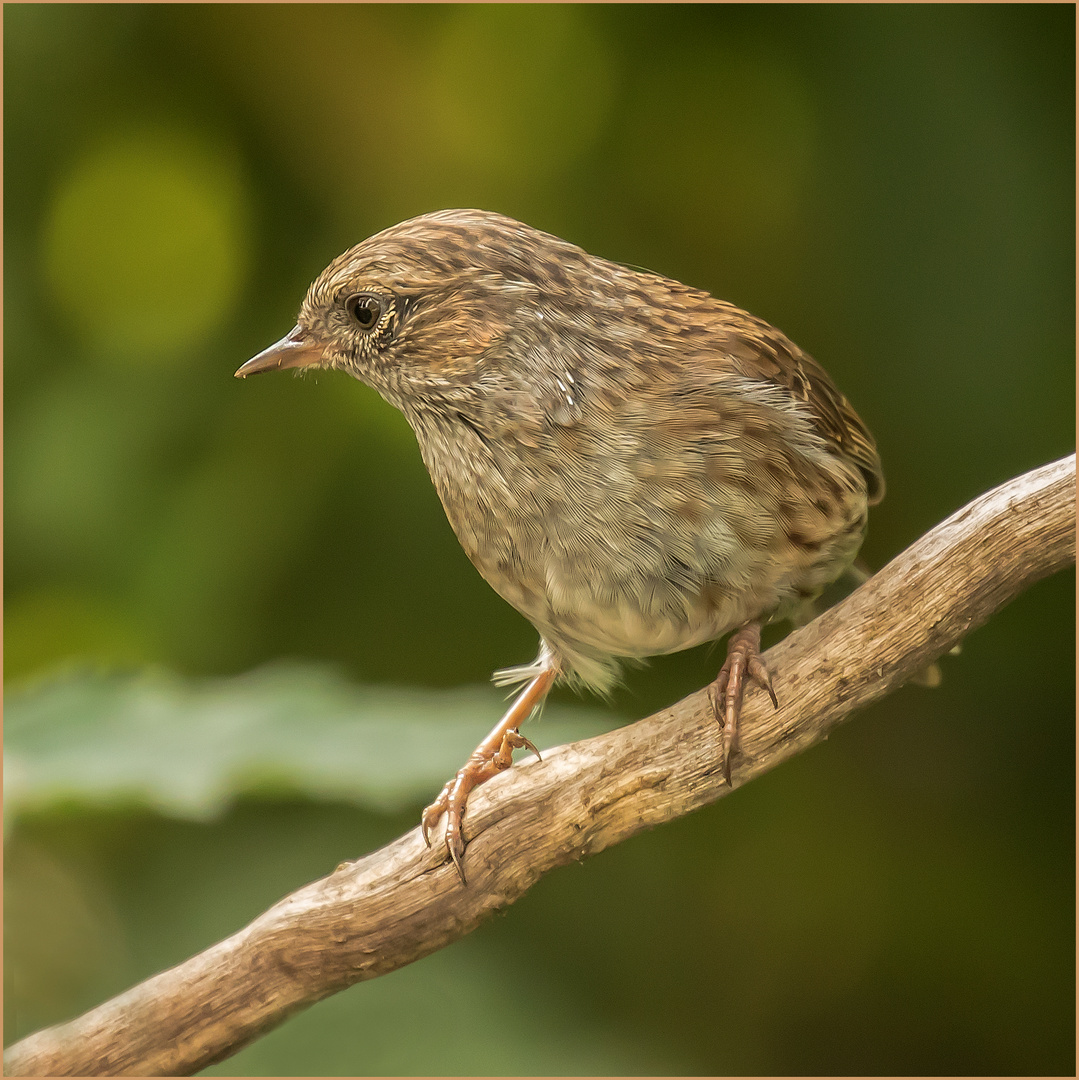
(190, 748)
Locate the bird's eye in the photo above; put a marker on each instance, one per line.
(365, 309)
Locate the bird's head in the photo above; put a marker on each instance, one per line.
(423, 305)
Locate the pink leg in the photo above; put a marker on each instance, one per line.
(743, 658)
(492, 755)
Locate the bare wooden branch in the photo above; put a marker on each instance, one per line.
(404, 902)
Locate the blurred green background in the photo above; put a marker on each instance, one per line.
(893, 186)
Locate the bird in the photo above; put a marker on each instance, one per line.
(635, 465)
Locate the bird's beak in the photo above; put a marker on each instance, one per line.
(295, 350)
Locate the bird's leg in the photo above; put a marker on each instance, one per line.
(743, 658)
(492, 755)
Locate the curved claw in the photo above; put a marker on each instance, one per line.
(456, 857)
(431, 814)
(526, 742)
(761, 676)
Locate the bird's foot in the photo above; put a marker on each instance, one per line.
(743, 658)
(491, 757)
(479, 768)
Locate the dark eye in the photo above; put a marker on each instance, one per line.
(365, 309)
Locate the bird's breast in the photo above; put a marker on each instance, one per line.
(627, 543)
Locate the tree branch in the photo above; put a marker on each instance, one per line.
(399, 904)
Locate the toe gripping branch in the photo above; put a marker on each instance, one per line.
(743, 658)
(495, 753)
(491, 757)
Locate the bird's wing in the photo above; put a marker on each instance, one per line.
(759, 351)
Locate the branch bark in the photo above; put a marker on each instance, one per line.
(404, 902)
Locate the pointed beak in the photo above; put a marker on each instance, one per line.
(295, 350)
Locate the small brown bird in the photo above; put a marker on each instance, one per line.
(634, 465)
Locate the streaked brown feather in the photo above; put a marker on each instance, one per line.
(777, 359)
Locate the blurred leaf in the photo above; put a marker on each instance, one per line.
(188, 748)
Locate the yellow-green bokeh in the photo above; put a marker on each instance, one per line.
(521, 92)
(146, 246)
